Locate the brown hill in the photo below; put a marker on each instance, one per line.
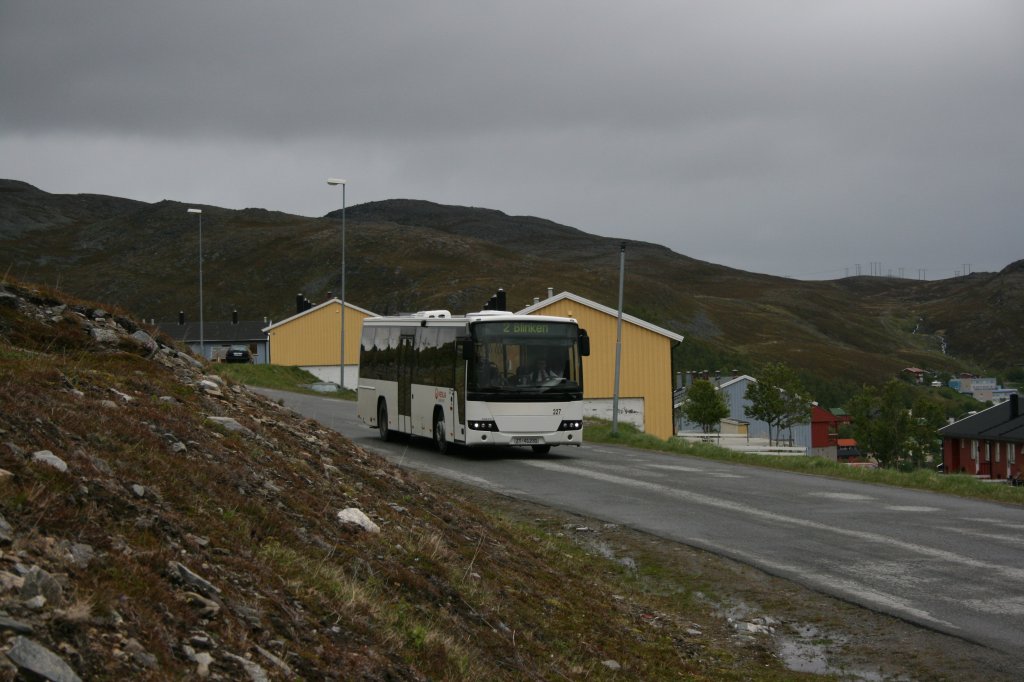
(405, 255)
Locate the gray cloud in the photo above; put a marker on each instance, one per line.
(795, 137)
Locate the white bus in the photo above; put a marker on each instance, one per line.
(489, 378)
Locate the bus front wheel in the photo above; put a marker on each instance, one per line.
(382, 420)
(440, 441)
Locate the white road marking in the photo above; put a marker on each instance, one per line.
(835, 583)
(1010, 572)
(913, 509)
(673, 467)
(1009, 539)
(849, 497)
(1001, 525)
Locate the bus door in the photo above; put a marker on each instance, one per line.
(406, 356)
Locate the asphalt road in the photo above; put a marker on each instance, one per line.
(949, 564)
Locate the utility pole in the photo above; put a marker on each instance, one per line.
(618, 343)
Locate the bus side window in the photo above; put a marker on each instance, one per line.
(445, 356)
(425, 369)
(584, 343)
(367, 354)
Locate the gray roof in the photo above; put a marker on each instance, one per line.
(1002, 422)
(216, 332)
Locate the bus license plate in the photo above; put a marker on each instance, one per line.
(526, 440)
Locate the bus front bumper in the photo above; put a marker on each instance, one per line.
(476, 438)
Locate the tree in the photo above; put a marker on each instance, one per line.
(885, 424)
(777, 398)
(704, 405)
(925, 443)
(881, 422)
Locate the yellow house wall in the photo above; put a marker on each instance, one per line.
(645, 369)
(315, 338)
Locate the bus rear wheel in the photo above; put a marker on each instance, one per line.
(541, 449)
(439, 438)
(382, 420)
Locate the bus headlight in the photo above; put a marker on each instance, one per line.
(482, 425)
(571, 425)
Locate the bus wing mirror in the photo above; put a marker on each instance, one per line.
(584, 343)
(467, 349)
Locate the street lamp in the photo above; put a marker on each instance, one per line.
(202, 341)
(341, 367)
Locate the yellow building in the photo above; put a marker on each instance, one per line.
(312, 340)
(645, 370)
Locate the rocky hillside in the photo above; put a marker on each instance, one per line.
(404, 255)
(159, 523)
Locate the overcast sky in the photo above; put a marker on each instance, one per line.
(804, 138)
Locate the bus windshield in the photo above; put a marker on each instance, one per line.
(525, 357)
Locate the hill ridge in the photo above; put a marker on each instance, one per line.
(408, 254)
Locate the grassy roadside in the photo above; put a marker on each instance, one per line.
(599, 431)
(277, 377)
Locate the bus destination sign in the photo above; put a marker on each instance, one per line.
(526, 328)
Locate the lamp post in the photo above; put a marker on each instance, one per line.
(341, 363)
(202, 341)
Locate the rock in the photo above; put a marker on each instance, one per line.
(185, 575)
(255, 672)
(105, 336)
(251, 616)
(6, 531)
(123, 396)
(231, 425)
(40, 583)
(10, 582)
(17, 627)
(140, 655)
(281, 665)
(751, 628)
(40, 661)
(47, 457)
(203, 661)
(196, 363)
(612, 664)
(197, 540)
(207, 607)
(36, 603)
(146, 341)
(210, 388)
(80, 554)
(355, 517)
